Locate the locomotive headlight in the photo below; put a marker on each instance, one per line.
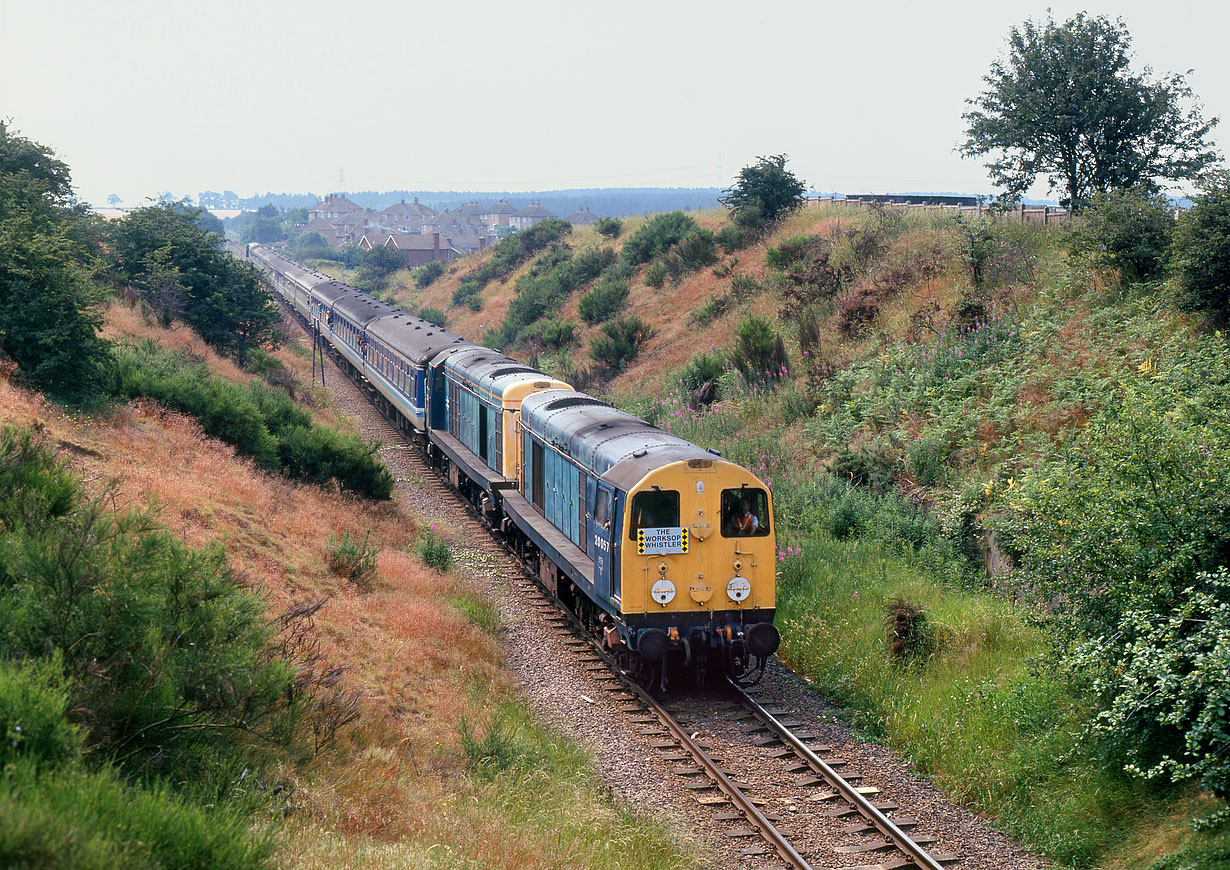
(662, 591)
(738, 588)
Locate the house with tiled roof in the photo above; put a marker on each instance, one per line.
(529, 216)
(331, 233)
(497, 215)
(582, 217)
(402, 217)
(334, 206)
(420, 248)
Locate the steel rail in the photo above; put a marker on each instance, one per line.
(866, 809)
(770, 833)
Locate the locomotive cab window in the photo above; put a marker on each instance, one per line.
(602, 509)
(745, 513)
(654, 509)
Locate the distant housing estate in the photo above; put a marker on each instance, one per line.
(420, 232)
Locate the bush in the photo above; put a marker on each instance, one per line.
(602, 302)
(558, 334)
(590, 263)
(759, 351)
(789, 252)
(164, 655)
(655, 237)
(1125, 544)
(620, 342)
(549, 281)
(1128, 230)
(702, 368)
(697, 249)
(33, 714)
(352, 560)
(710, 309)
(744, 286)
(655, 274)
(467, 295)
(732, 238)
(426, 274)
(1201, 252)
(609, 227)
(434, 551)
(318, 454)
(1167, 696)
(434, 315)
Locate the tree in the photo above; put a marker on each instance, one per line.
(223, 298)
(765, 191)
(1065, 105)
(48, 300)
(1201, 252)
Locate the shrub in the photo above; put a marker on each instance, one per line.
(352, 560)
(434, 551)
(33, 714)
(744, 286)
(655, 274)
(558, 334)
(697, 249)
(620, 342)
(910, 635)
(426, 274)
(590, 263)
(318, 454)
(710, 309)
(1167, 697)
(655, 237)
(759, 351)
(113, 594)
(609, 227)
(467, 295)
(731, 238)
(1128, 230)
(1201, 252)
(789, 252)
(434, 315)
(602, 302)
(702, 368)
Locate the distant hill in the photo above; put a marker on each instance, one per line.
(613, 201)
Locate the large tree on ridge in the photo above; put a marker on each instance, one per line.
(1065, 105)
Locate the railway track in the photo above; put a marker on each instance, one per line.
(718, 743)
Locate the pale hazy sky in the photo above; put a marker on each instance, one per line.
(142, 96)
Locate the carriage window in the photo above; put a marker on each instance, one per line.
(655, 509)
(745, 513)
(602, 508)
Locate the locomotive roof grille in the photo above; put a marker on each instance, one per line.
(513, 370)
(572, 402)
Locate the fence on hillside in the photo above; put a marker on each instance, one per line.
(1031, 214)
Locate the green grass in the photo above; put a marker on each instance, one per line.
(974, 715)
(542, 783)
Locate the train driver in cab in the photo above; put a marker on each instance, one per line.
(741, 513)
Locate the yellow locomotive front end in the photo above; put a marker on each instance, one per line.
(697, 564)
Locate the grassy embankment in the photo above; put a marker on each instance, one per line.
(919, 399)
(442, 764)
